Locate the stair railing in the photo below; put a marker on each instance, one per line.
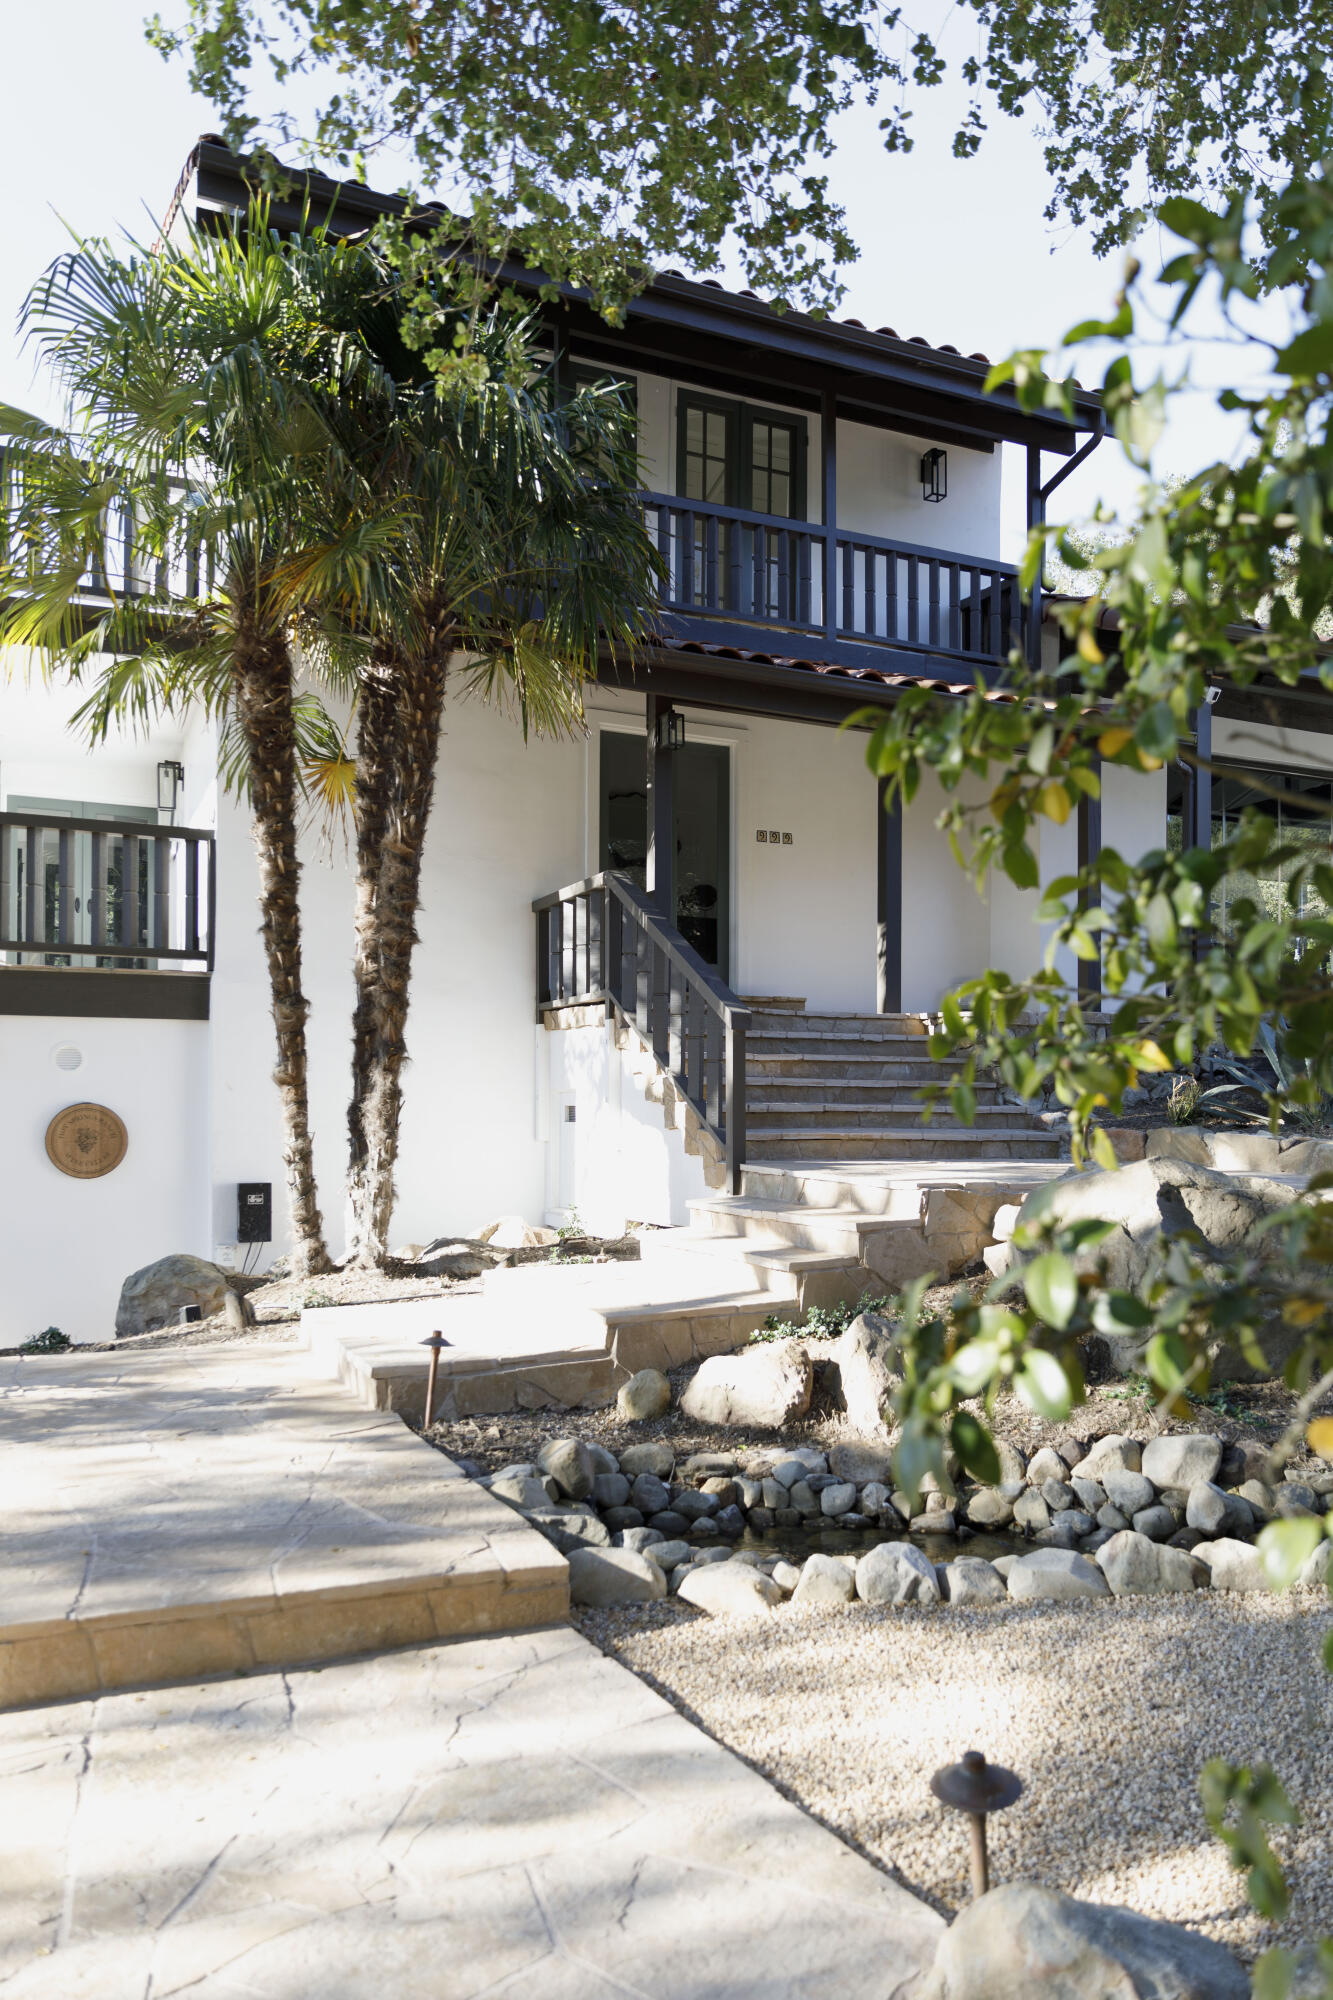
(602, 942)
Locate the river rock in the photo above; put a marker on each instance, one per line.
(571, 1530)
(1112, 1453)
(1045, 1464)
(570, 1463)
(971, 1580)
(1031, 1512)
(1206, 1509)
(647, 1394)
(862, 1462)
(840, 1498)
(658, 1459)
(896, 1573)
(865, 1361)
(1158, 1523)
(641, 1539)
(1024, 1942)
(651, 1495)
(1180, 1463)
(153, 1296)
(825, 1580)
(1136, 1567)
(611, 1489)
(988, 1508)
(1091, 1496)
(1129, 1491)
(764, 1387)
(525, 1494)
(1233, 1565)
(731, 1590)
(1058, 1574)
(614, 1576)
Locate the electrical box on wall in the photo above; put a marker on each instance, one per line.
(254, 1212)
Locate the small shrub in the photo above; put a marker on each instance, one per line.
(50, 1341)
(1183, 1103)
(821, 1322)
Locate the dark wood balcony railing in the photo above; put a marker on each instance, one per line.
(602, 941)
(108, 893)
(723, 562)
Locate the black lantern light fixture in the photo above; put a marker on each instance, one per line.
(170, 779)
(670, 729)
(934, 474)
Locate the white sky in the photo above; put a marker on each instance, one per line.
(955, 250)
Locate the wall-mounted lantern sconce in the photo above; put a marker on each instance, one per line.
(934, 474)
(670, 729)
(170, 779)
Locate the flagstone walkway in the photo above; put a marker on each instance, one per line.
(458, 1819)
(195, 1511)
(507, 1816)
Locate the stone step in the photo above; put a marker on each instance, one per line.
(903, 1143)
(761, 1226)
(839, 1047)
(788, 1270)
(780, 1021)
(782, 1060)
(887, 1190)
(812, 1091)
(852, 1111)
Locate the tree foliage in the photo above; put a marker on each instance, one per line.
(1222, 581)
(618, 135)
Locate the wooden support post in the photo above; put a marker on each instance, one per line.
(1035, 511)
(828, 438)
(660, 873)
(889, 935)
(1089, 847)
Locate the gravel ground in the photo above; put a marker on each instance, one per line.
(1107, 1711)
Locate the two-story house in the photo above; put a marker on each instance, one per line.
(634, 914)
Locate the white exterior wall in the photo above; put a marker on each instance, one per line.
(1260, 743)
(615, 1162)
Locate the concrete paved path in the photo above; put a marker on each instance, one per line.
(206, 1510)
(511, 1816)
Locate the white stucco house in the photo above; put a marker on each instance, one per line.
(842, 510)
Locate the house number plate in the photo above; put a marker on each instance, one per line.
(86, 1140)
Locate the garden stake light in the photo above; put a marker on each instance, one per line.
(435, 1342)
(976, 1788)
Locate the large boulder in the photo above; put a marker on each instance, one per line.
(763, 1387)
(1134, 1566)
(866, 1364)
(613, 1576)
(825, 1581)
(1023, 1942)
(154, 1296)
(1151, 1201)
(971, 1580)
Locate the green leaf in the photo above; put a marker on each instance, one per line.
(975, 1448)
(1155, 732)
(1273, 1974)
(1051, 1284)
(1119, 1312)
(1310, 353)
(1285, 1547)
(1043, 1385)
(974, 1365)
(1103, 1152)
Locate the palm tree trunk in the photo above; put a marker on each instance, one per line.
(263, 683)
(376, 1117)
(378, 701)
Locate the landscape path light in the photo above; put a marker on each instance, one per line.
(434, 1342)
(975, 1787)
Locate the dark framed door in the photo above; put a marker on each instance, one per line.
(702, 830)
(732, 454)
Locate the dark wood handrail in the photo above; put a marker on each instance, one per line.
(816, 529)
(602, 941)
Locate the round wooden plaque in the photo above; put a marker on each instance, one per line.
(86, 1140)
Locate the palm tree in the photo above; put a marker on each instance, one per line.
(522, 548)
(196, 378)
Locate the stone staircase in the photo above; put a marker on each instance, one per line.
(838, 1087)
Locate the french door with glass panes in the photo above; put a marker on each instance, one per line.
(732, 454)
